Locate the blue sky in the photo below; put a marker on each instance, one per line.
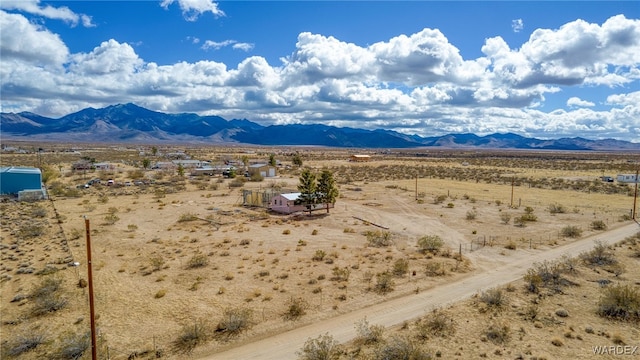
(545, 69)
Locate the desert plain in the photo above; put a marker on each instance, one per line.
(183, 269)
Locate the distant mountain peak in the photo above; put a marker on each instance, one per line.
(132, 123)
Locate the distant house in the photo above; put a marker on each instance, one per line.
(81, 165)
(627, 178)
(207, 170)
(22, 181)
(265, 170)
(190, 164)
(104, 166)
(165, 165)
(286, 204)
(360, 158)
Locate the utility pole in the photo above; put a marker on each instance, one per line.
(635, 196)
(513, 180)
(94, 347)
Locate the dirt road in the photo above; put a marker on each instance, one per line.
(396, 311)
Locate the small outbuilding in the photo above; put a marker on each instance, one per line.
(16, 180)
(265, 170)
(360, 158)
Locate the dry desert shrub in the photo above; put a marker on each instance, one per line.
(598, 225)
(384, 283)
(547, 274)
(498, 333)
(620, 302)
(600, 255)
(571, 231)
(234, 321)
(190, 337)
(494, 298)
(21, 344)
(47, 297)
(368, 334)
(557, 209)
(72, 346)
(400, 267)
(379, 238)
(430, 243)
(400, 347)
(437, 323)
(324, 347)
(505, 217)
(296, 308)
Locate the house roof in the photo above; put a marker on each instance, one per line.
(291, 196)
(257, 165)
(20, 170)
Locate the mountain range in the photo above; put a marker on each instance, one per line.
(129, 123)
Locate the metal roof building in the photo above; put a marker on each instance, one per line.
(16, 179)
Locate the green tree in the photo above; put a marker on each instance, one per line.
(154, 151)
(146, 163)
(272, 159)
(297, 160)
(326, 190)
(180, 170)
(245, 160)
(307, 188)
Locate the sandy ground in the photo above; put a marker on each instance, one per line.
(396, 311)
(260, 261)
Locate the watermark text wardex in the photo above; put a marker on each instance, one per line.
(616, 350)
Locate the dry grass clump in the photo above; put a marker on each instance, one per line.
(197, 261)
(186, 217)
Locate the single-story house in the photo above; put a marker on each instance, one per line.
(265, 170)
(286, 204)
(627, 178)
(360, 158)
(17, 180)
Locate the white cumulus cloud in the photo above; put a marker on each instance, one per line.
(577, 102)
(192, 9)
(58, 13)
(517, 25)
